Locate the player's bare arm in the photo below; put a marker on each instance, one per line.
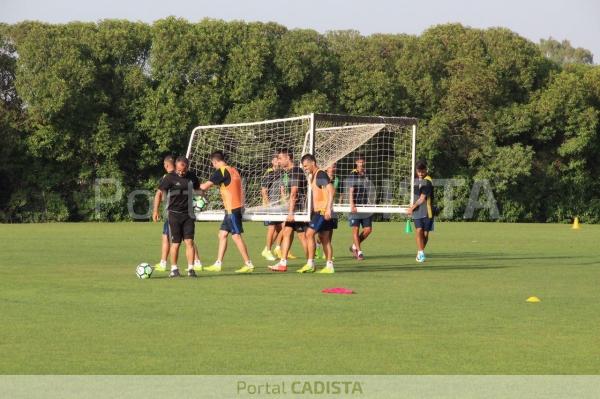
(292, 203)
(351, 200)
(421, 200)
(329, 209)
(157, 200)
(206, 186)
(265, 196)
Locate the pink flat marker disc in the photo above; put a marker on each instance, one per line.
(337, 290)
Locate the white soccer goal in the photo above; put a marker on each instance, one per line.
(386, 145)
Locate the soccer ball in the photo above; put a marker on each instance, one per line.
(143, 270)
(200, 202)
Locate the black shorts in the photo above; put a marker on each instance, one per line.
(232, 222)
(364, 222)
(319, 224)
(424, 223)
(298, 227)
(268, 223)
(181, 226)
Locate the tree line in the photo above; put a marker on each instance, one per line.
(82, 101)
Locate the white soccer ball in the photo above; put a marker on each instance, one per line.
(200, 202)
(143, 270)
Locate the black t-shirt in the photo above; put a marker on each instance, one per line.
(220, 177)
(271, 181)
(179, 190)
(361, 184)
(424, 186)
(295, 177)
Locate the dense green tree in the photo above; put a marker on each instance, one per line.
(87, 101)
(81, 83)
(367, 74)
(563, 53)
(308, 72)
(13, 131)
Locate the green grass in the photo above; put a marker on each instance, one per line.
(71, 304)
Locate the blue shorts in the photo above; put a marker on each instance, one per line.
(166, 227)
(364, 222)
(319, 224)
(424, 223)
(232, 222)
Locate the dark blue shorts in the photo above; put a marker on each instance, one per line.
(364, 222)
(319, 224)
(424, 223)
(232, 222)
(166, 227)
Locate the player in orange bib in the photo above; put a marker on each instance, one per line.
(321, 220)
(228, 179)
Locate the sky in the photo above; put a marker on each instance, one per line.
(575, 20)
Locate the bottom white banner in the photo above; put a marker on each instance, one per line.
(299, 386)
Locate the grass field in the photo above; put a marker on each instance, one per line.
(71, 304)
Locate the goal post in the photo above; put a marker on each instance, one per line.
(250, 148)
(386, 147)
(385, 144)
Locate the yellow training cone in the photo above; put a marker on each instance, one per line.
(533, 299)
(575, 224)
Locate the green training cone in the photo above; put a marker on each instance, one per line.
(408, 228)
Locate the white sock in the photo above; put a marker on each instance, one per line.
(311, 262)
(360, 253)
(277, 247)
(249, 264)
(174, 267)
(420, 253)
(353, 246)
(329, 264)
(217, 263)
(283, 262)
(197, 262)
(190, 267)
(163, 263)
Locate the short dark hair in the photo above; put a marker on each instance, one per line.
(217, 156)
(169, 159)
(308, 157)
(184, 160)
(421, 165)
(286, 151)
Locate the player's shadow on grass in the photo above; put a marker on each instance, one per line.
(345, 268)
(410, 267)
(347, 264)
(483, 256)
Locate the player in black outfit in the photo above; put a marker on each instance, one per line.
(180, 186)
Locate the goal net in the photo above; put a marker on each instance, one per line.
(384, 146)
